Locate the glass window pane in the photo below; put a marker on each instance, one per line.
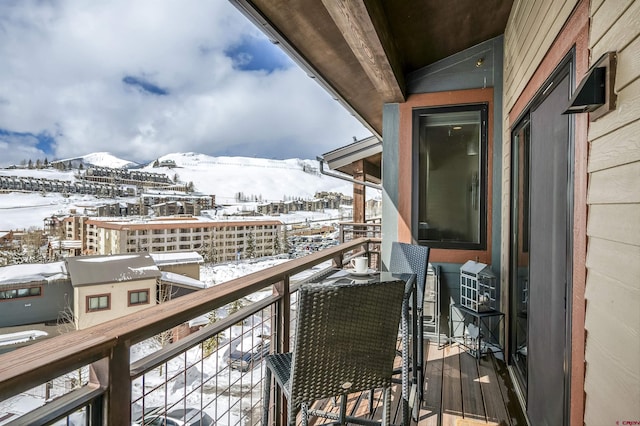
(104, 302)
(142, 297)
(450, 163)
(93, 303)
(23, 292)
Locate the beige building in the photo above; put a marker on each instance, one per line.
(108, 287)
(182, 263)
(223, 239)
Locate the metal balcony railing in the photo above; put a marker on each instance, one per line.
(124, 372)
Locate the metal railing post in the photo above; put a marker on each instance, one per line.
(283, 336)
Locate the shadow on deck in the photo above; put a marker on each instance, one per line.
(458, 390)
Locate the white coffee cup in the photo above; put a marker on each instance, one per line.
(360, 264)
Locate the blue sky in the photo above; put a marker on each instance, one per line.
(146, 78)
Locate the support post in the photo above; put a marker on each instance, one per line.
(359, 192)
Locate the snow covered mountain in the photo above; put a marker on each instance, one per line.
(256, 178)
(267, 180)
(99, 159)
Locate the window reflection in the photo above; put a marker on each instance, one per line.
(451, 162)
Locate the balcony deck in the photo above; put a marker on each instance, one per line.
(458, 390)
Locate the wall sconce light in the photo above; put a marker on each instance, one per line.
(596, 92)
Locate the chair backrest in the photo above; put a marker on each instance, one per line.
(346, 335)
(411, 259)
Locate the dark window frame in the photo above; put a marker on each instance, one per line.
(144, 290)
(484, 154)
(17, 296)
(97, 296)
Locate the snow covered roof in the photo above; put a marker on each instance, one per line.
(33, 272)
(162, 259)
(88, 270)
(182, 280)
(66, 244)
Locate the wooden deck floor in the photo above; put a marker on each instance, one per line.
(458, 390)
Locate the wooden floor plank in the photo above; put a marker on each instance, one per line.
(451, 390)
(512, 405)
(456, 392)
(472, 403)
(431, 405)
(491, 393)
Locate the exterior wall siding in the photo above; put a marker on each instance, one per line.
(531, 30)
(191, 270)
(119, 303)
(613, 229)
(55, 297)
(538, 36)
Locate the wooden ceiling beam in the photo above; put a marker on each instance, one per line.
(366, 31)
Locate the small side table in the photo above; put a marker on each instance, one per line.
(481, 320)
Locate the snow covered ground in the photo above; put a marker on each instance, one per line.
(237, 390)
(224, 177)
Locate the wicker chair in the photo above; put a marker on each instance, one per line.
(413, 259)
(345, 342)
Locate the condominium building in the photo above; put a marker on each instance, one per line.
(223, 240)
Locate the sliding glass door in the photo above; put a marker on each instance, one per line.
(541, 220)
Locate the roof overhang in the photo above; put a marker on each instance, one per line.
(362, 51)
(345, 159)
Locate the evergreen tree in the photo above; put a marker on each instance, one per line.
(30, 166)
(277, 247)
(38, 164)
(285, 240)
(46, 162)
(251, 246)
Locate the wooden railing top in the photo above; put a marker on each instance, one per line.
(33, 365)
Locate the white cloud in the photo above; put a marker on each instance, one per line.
(64, 62)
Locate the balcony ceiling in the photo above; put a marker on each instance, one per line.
(361, 51)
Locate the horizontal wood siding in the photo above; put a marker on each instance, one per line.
(532, 28)
(623, 229)
(613, 284)
(621, 26)
(626, 112)
(622, 146)
(529, 34)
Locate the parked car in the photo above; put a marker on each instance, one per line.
(175, 417)
(245, 353)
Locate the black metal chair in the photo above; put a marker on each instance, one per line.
(346, 336)
(413, 259)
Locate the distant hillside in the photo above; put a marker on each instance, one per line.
(99, 159)
(256, 178)
(267, 180)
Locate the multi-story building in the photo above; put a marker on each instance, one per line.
(203, 201)
(223, 240)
